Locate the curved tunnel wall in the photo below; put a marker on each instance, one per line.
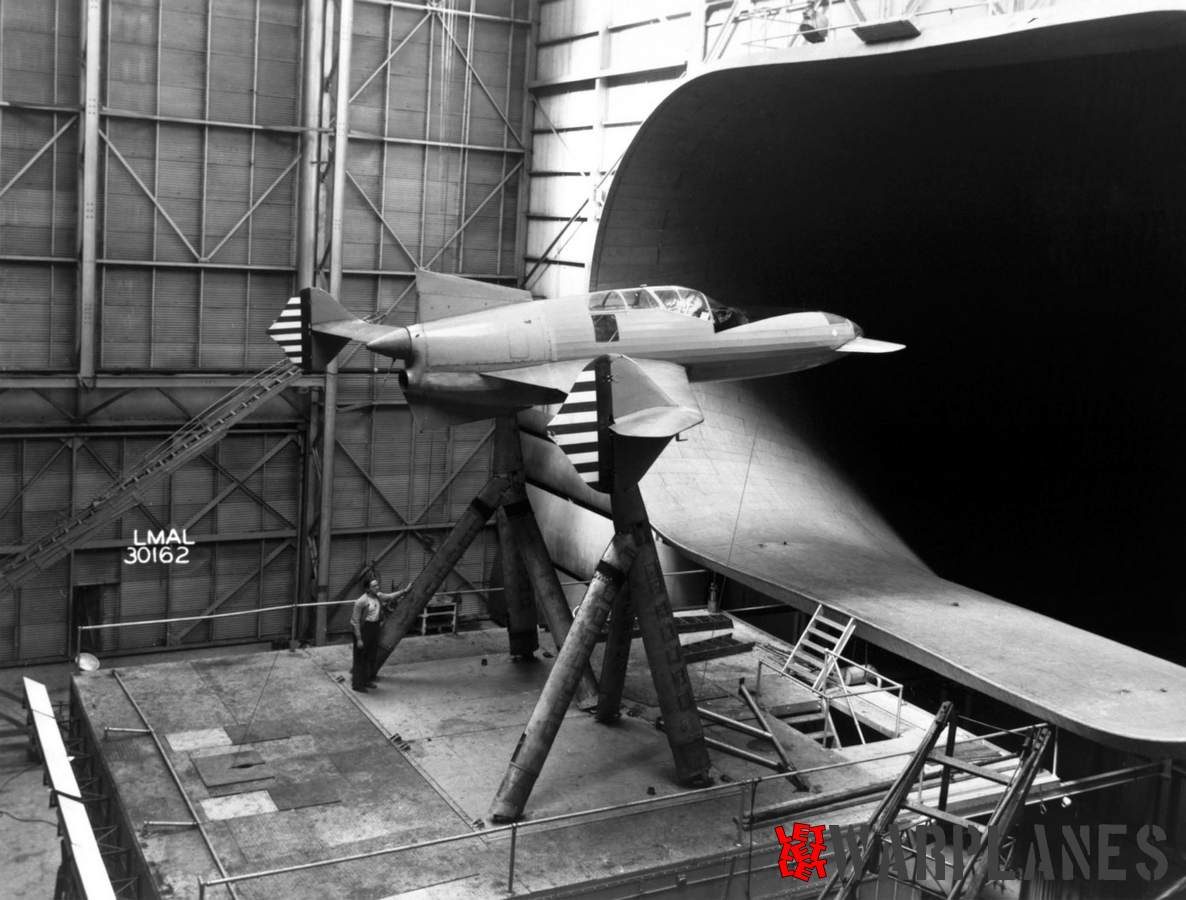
(1014, 210)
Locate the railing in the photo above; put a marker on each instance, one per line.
(140, 623)
(834, 690)
(529, 850)
(852, 15)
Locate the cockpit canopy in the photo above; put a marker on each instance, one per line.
(673, 298)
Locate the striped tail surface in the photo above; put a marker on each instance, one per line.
(574, 428)
(288, 330)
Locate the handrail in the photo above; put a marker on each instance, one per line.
(680, 798)
(137, 623)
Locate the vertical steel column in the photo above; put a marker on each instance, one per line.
(677, 701)
(522, 624)
(527, 130)
(92, 49)
(306, 254)
(306, 238)
(615, 658)
(516, 608)
(549, 595)
(329, 413)
(571, 662)
(600, 105)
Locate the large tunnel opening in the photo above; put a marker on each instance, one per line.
(1020, 223)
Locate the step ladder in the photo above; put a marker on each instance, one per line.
(817, 725)
(966, 884)
(200, 432)
(816, 655)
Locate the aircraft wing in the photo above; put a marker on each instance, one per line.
(747, 496)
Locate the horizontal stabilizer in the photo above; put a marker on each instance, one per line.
(868, 345)
(313, 327)
(647, 404)
(442, 296)
(652, 399)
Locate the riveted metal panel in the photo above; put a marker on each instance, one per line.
(12, 479)
(47, 499)
(193, 486)
(266, 294)
(351, 489)
(41, 628)
(38, 316)
(565, 18)
(98, 566)
(173, 313)
(141, 598)
(125, 318)
(279, 587)
(95, 462)
(238, 455)
(236, 564)
(391, 464)
(276, 482)
(224, 319)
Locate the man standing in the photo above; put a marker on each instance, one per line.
(366, 620)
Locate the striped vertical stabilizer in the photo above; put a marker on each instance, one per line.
(574, 428)
(288, 330)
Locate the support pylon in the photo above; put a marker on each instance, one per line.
(529, 542)
(616, 657)
(518, 605)
(656, 623)
(571, 662)
(468, 527)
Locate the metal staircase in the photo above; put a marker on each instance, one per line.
(844, 884)
(200, 432)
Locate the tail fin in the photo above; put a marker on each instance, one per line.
(452, 295)
(313, 327)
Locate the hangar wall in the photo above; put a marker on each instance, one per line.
(149, 232)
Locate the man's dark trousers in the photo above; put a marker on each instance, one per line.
(366, 659)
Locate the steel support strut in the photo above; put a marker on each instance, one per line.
(616, 657)
(572, 661)
(522, 623)
(468, 527)
(656, 623)
(541, 574)
(517, 607)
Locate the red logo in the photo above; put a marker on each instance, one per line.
(801, 851)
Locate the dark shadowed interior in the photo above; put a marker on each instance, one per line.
(1019, 221)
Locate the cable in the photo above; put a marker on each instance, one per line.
(9, 780)
(16, 775)
(251, 718)
(741, 498)
(4, 812)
